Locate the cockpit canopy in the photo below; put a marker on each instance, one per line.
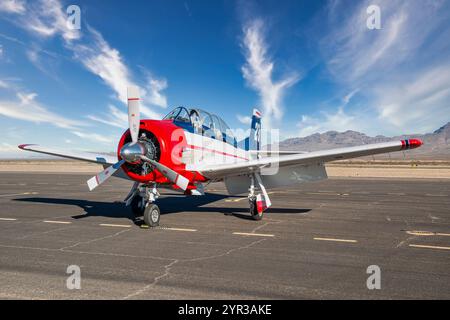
(201, 122)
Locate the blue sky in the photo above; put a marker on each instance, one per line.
(310, 66)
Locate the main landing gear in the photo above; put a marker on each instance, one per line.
(258, 202)
(141, 199)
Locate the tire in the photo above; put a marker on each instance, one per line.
(254, 211)
(137, 206)
(152, 215)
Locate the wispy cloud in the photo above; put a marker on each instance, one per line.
(258, 72)
(47, 18)
(400, 72)
(338, 121)
(244, 119)
(114, 117)
(26, 108)
(12, 6)
(94, 137)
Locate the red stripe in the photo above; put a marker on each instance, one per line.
(133, 99)
(216, 151)
(403, 144)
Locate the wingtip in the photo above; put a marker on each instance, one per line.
(23, 146)
(415, 143)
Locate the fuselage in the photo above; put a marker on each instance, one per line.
(180, 145)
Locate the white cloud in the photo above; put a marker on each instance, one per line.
(400, 71)
(48, 19)
(12, 6)
(28, 109)
(258, 72)
(244, 119)
(154, 96)
(114, 117)
(423, 100)
(94, 137)
(107, 63)
(4, 84)
(338, 121)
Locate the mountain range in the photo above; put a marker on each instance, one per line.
(436, 145)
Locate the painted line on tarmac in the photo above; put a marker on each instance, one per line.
(8, 219)
(427, 233)
(327, 194)
(429, 247)
(18, 194)
(181, 229)
(335, 240)
(254, 234)
(115, 225)
(235, 200)
(59, 222)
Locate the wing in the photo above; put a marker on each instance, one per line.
(76, 155)
(218, 171)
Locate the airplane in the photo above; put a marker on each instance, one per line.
(189, 148)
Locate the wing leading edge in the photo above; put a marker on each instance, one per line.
(219, 171)
(76, 155)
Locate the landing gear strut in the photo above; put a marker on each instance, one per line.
(260, 201)
(141, 199)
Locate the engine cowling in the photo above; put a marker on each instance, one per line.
(163, 142)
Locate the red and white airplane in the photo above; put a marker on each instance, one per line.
(189, 148)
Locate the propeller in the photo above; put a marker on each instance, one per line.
(133, 112)
(134, 151)
(170, 174)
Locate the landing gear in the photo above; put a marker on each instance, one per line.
(152, 215)
(257, 202)
(254, 210)
(141, 200)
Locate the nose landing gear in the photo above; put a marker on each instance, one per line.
(141, 199)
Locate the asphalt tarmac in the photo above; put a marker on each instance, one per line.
(316, 242)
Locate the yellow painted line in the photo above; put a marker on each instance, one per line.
(181, 229)
(60, 222)
(336, 240)
(115, 225)
(254, 234)
(8, 219)
(323, 193)
(427, 233)
(429, 247)
(235, 200)
(17, 194)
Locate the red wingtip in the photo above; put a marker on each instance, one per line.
(22, 146)
(414, 143)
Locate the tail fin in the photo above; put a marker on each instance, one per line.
(253, 141)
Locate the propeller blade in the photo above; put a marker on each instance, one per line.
(133, 112)
(101, 177)
(173, 176)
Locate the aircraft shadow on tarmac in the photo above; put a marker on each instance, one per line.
(168, 204)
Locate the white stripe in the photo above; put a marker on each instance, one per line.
(60, 222)
(181, 229)
(337, 240)
(254, 234)
(115, 225)
(429, 247)
(8, 219)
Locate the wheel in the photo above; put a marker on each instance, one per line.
(152, 215)
(137, 206)
(254, 211)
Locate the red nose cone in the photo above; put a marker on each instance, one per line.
(414, 143)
